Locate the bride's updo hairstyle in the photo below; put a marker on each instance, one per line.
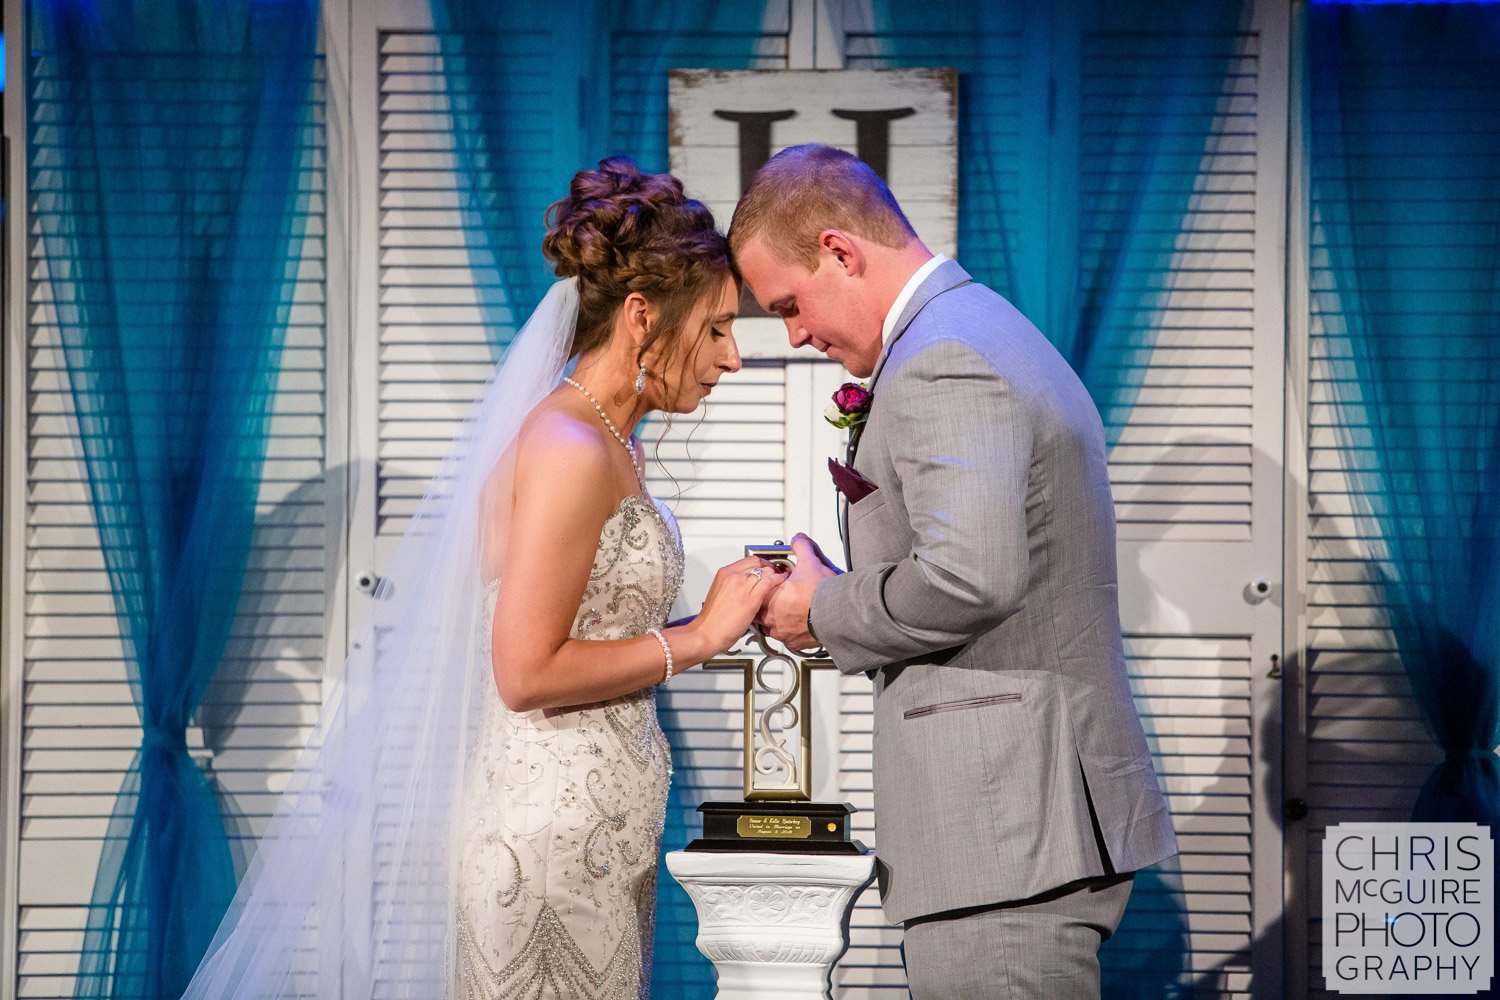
(621, 231)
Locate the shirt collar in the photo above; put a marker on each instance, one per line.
(910, 289)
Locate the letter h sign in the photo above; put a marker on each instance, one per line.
(903, 122)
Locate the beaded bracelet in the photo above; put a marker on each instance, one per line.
(665, 649)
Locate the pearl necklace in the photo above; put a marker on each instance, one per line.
(610, 425)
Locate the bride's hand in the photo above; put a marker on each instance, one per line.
(734, 599)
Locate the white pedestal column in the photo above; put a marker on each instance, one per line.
(772, 924)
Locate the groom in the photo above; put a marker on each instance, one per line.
(1014, 790)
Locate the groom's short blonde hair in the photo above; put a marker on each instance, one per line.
(804, 190)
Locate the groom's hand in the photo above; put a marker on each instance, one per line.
(784, 617)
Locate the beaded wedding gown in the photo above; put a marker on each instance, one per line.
(564, 809)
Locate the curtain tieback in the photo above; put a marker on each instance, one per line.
(163, 739)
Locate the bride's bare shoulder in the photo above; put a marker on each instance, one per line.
(552, 483)
(557, 449)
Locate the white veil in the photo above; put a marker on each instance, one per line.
(348, 893)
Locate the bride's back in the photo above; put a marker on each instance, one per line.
(550, 426)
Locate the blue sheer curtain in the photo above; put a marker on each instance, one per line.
(1077, 226)
(646, 40)
(165, 170)
(1404, 163)
(533, 93)
(512, 77)
(1148, 99)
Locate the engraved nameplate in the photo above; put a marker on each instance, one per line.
(780, 827)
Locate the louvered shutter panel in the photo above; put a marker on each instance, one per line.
(443, 308)
(438, 301)
(725, 478)
(80, 727)
(722, 469)
(1182, 466)
(641, 55)
(996, 75)
(1367, 749)
(1182, 476)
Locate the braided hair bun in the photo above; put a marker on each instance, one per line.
(621, 231)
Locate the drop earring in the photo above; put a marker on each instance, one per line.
(640, 381)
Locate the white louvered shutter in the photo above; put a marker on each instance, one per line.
(724, 477)
(79, 727)
(1198, 508)
(872, 968)
(1189, 477)
(431, 354)
(1366, 750)
(435, 326)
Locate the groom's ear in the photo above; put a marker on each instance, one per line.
(844, 250)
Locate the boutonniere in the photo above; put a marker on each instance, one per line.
(850, 406)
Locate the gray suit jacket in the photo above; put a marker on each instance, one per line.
(1009, 758)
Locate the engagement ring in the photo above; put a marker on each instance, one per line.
(756, 572)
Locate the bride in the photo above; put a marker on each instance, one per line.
(479, 811)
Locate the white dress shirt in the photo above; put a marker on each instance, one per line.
(910, 289)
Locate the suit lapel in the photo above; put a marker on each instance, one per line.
(948, 275)
(844, 530)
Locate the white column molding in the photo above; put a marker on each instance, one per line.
(772, 924)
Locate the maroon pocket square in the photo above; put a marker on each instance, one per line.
(850, 483)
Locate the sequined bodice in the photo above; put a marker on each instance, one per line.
(564, 807)
(636, 574)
